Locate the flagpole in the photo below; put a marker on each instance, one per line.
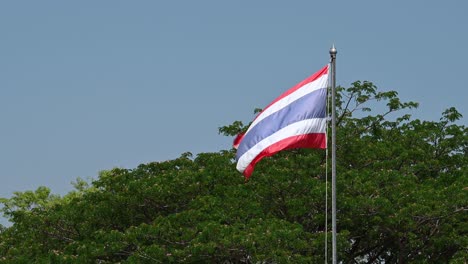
(333, 149)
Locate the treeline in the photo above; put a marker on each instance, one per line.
(402, 198)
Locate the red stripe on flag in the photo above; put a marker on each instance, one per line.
(237, 140)
(313, 140)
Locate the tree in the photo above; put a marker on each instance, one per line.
(401, 198)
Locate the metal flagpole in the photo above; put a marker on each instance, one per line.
(333, 149)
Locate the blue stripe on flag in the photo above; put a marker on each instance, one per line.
(312, 105)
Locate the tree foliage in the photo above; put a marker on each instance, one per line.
(402, 197)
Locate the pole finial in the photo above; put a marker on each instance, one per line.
(333, 50)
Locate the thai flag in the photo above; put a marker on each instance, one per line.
(296, 119)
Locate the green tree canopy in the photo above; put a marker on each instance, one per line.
(402, 197)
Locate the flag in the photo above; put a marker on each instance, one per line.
(296, 119)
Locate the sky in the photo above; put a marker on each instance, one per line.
(88, 85)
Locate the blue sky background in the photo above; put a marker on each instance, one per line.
(91, 85)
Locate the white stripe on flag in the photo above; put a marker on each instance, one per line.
(315, 125)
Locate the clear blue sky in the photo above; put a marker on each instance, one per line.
(91, 85)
